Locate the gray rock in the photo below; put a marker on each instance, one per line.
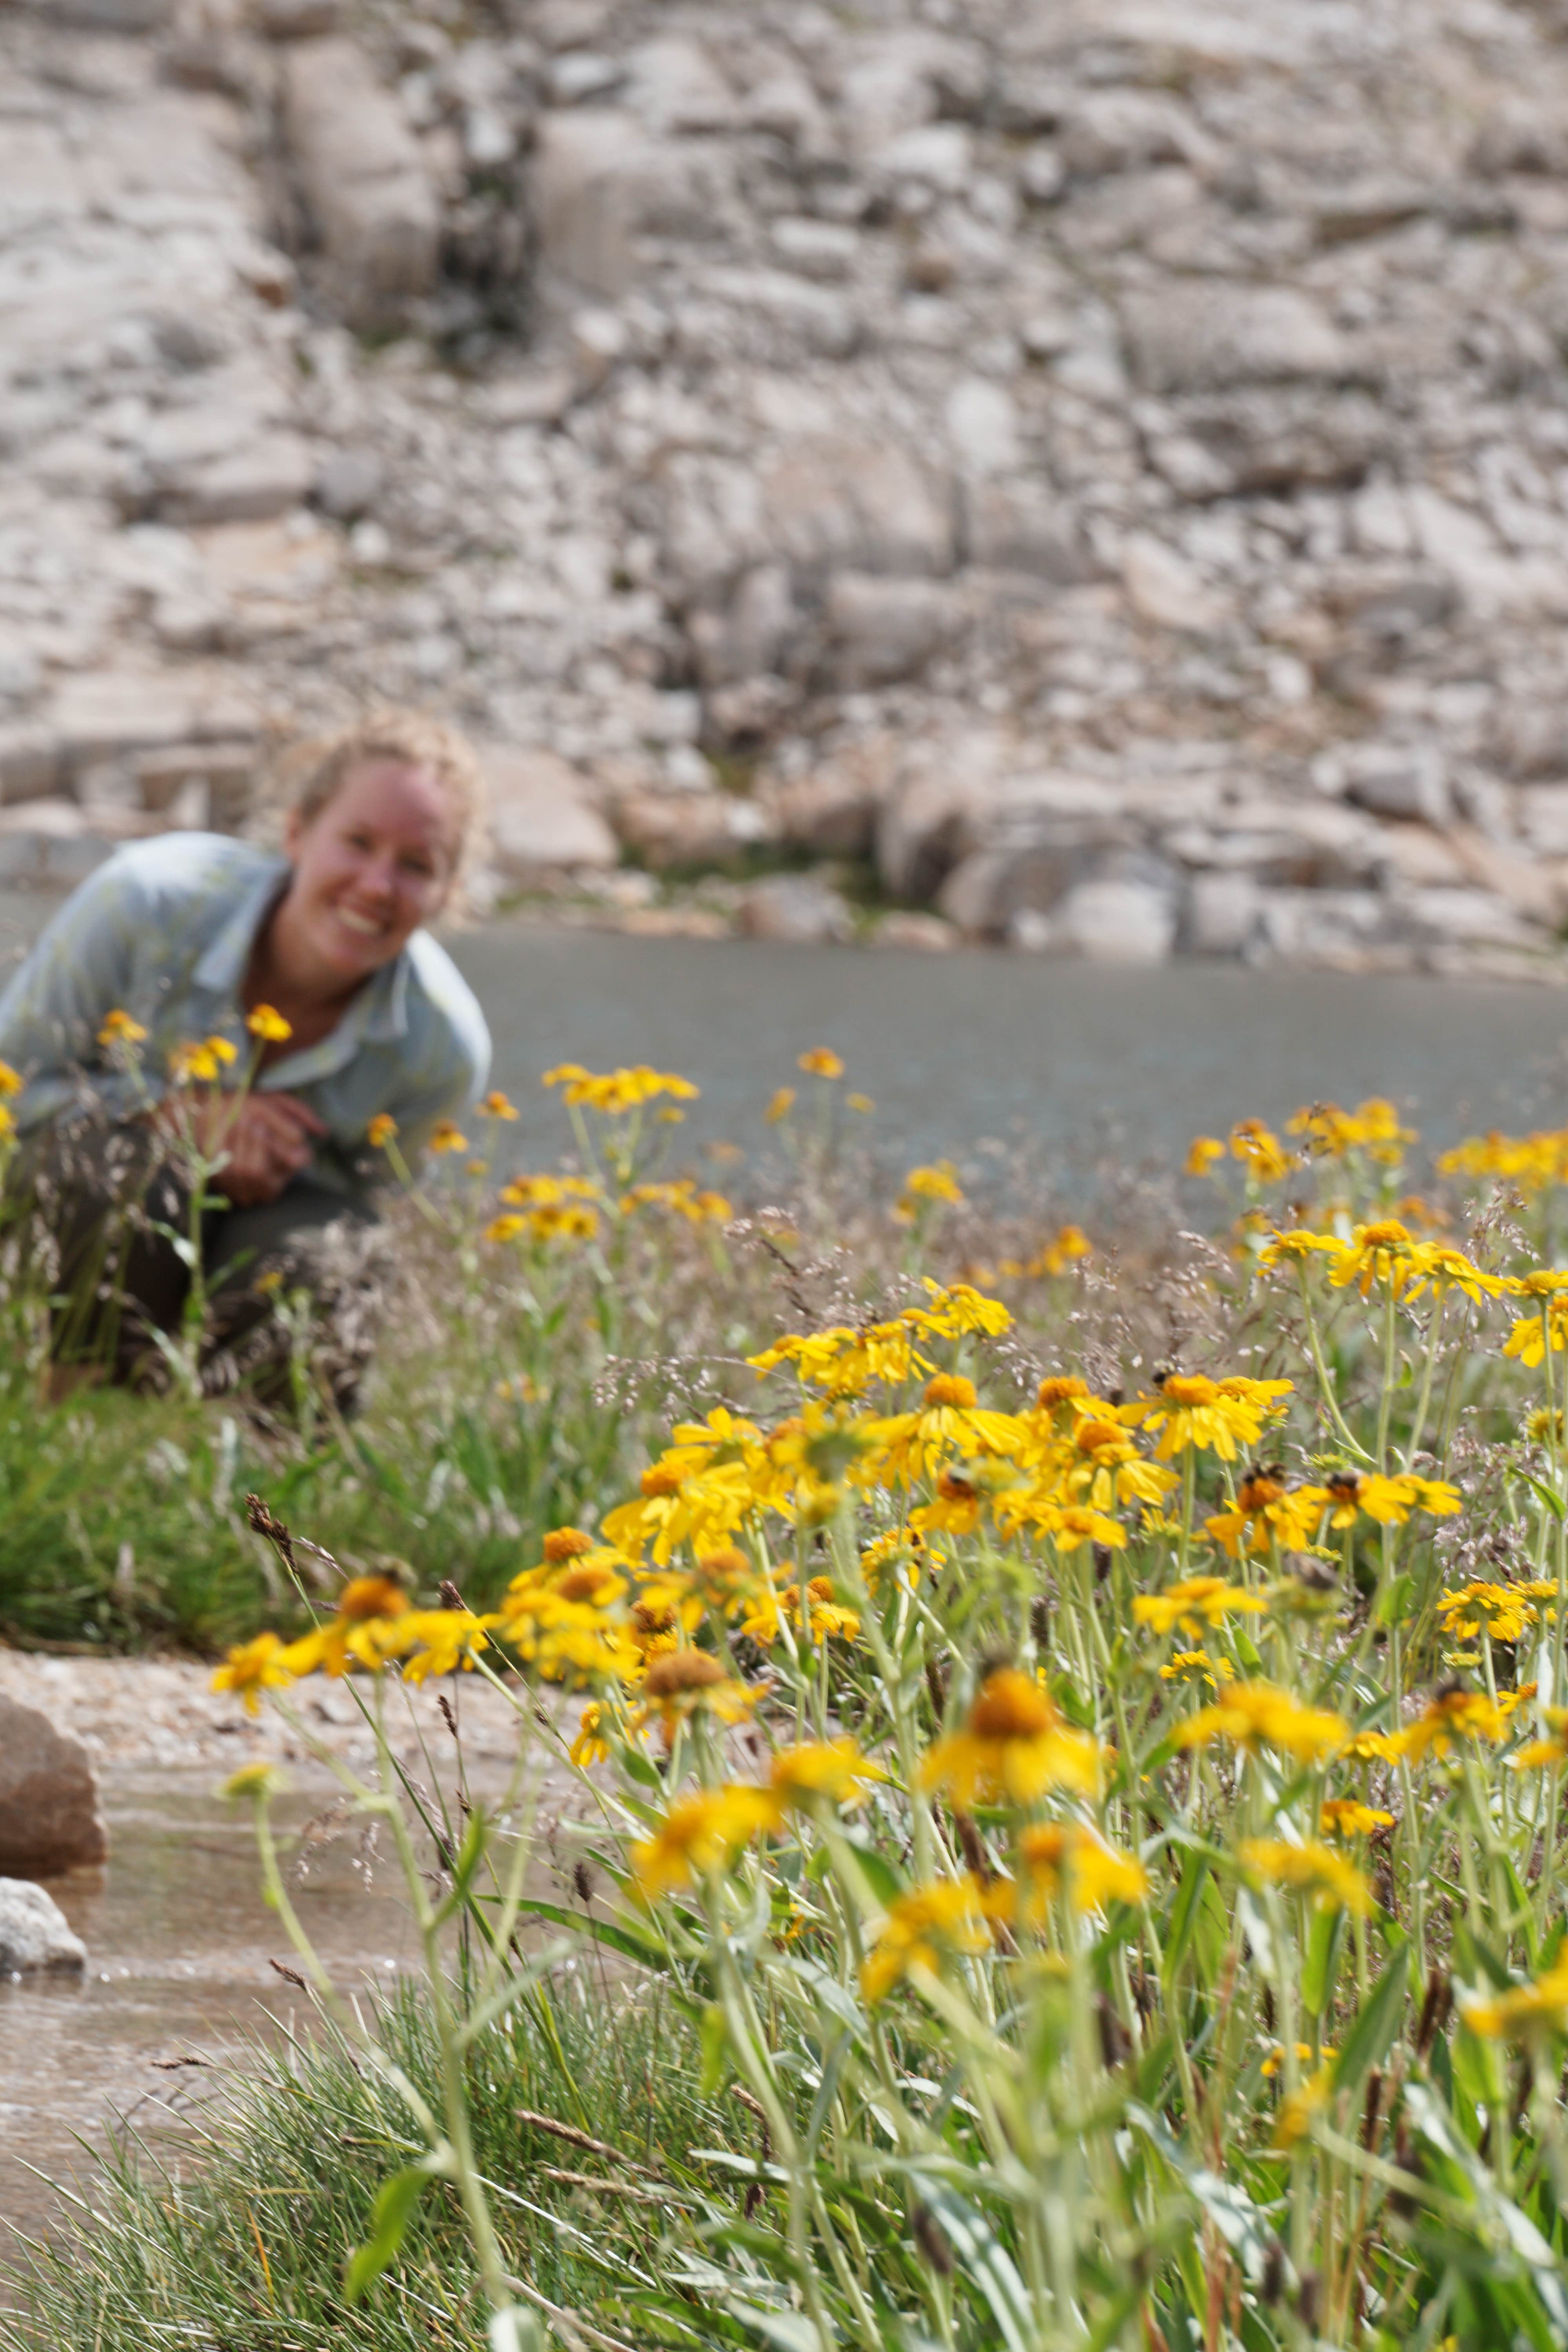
(362, 176)
(695, 828)
(269, 476)
(880, 630)
(1021, 524)
(1400, 780)
(29, 762)
(799, 908)
(600, 184)
(1203, 336)
(1111, 920)
(1222, 913)
(348, 482)
(50, 1820)
(34, 1938)
(540, 819)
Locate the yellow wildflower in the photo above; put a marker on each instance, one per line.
(1203, 1154)
(382, 1130)
(1255, 1714)
(252, 1667)
(1197, 1666)
(1014, 1746)
(1298, 2110)
(120, 1028)
(1524, 2012)
(1192, 1603)
(497, 1106)
(1054, 1855)
(268, 1024)
(1347, 1817)
(1254, 1143)
(946, 1917)
(820, 1062)
(699, 1836)
(938, 1183)
(590, 1746)
(1191, 1410)
(780, 1102)
(618, 1091)
(448, 1136)
(1312, 1868)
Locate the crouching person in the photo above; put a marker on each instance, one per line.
(201, 998)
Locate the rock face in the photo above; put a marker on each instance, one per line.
(35, 1940)
(1102, 459)
(49, 1816)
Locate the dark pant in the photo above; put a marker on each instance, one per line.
(115, 1215)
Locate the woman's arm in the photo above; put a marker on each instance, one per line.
(81, 967)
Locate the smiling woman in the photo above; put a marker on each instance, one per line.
(203, 1004)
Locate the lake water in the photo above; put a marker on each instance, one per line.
(1079, 1059)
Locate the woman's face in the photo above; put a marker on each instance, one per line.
(369, 868)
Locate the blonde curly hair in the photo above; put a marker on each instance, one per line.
(312, 773)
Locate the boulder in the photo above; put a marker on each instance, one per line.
(49, 1816)
(362, 176)
(881, 630)
(35, 1940)
(1109, 920)
(700, 828)
(541, 820)
(599, 183)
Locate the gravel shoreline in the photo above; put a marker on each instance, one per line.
(162, 1714)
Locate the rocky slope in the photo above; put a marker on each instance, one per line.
(1099, 467)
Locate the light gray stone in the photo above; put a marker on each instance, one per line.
(1198, 336)
(801, 908)
(600, 184)
(348, 482)
(540, 819)
(1111, 920)
(880, 630)
(1021, 524)
(363, 174)
(1222, 913)
(1400, 780)
(269, 476)
(36, 1938)
(691, 828)
(50, 1818)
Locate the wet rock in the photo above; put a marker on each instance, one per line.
(362, 176)
(34, 1938)
(50, 1820)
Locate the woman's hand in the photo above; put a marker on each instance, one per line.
(265, 1143)
(269, 1144)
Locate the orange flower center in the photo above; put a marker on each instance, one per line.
(1188, 1388)
(1389, 1235)
(950, 1388)
(1091, 1435)
(680, 1671)
(566, 1543)
(657, 1480)
(371, 1596)
(1011, 1706)
(1059, 1389)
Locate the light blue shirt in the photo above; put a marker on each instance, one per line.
(163, 930)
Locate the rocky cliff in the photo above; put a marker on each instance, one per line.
(1097, 469)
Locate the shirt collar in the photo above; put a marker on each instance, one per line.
(222, 967)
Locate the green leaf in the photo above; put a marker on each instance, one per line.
(390, 2216)
(1321, 1965)
(1376, 2023)
(986, 2266)
(1183, 1916)
(1544, 1495)
(715, 2050)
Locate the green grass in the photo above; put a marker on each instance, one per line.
(241, 2242)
